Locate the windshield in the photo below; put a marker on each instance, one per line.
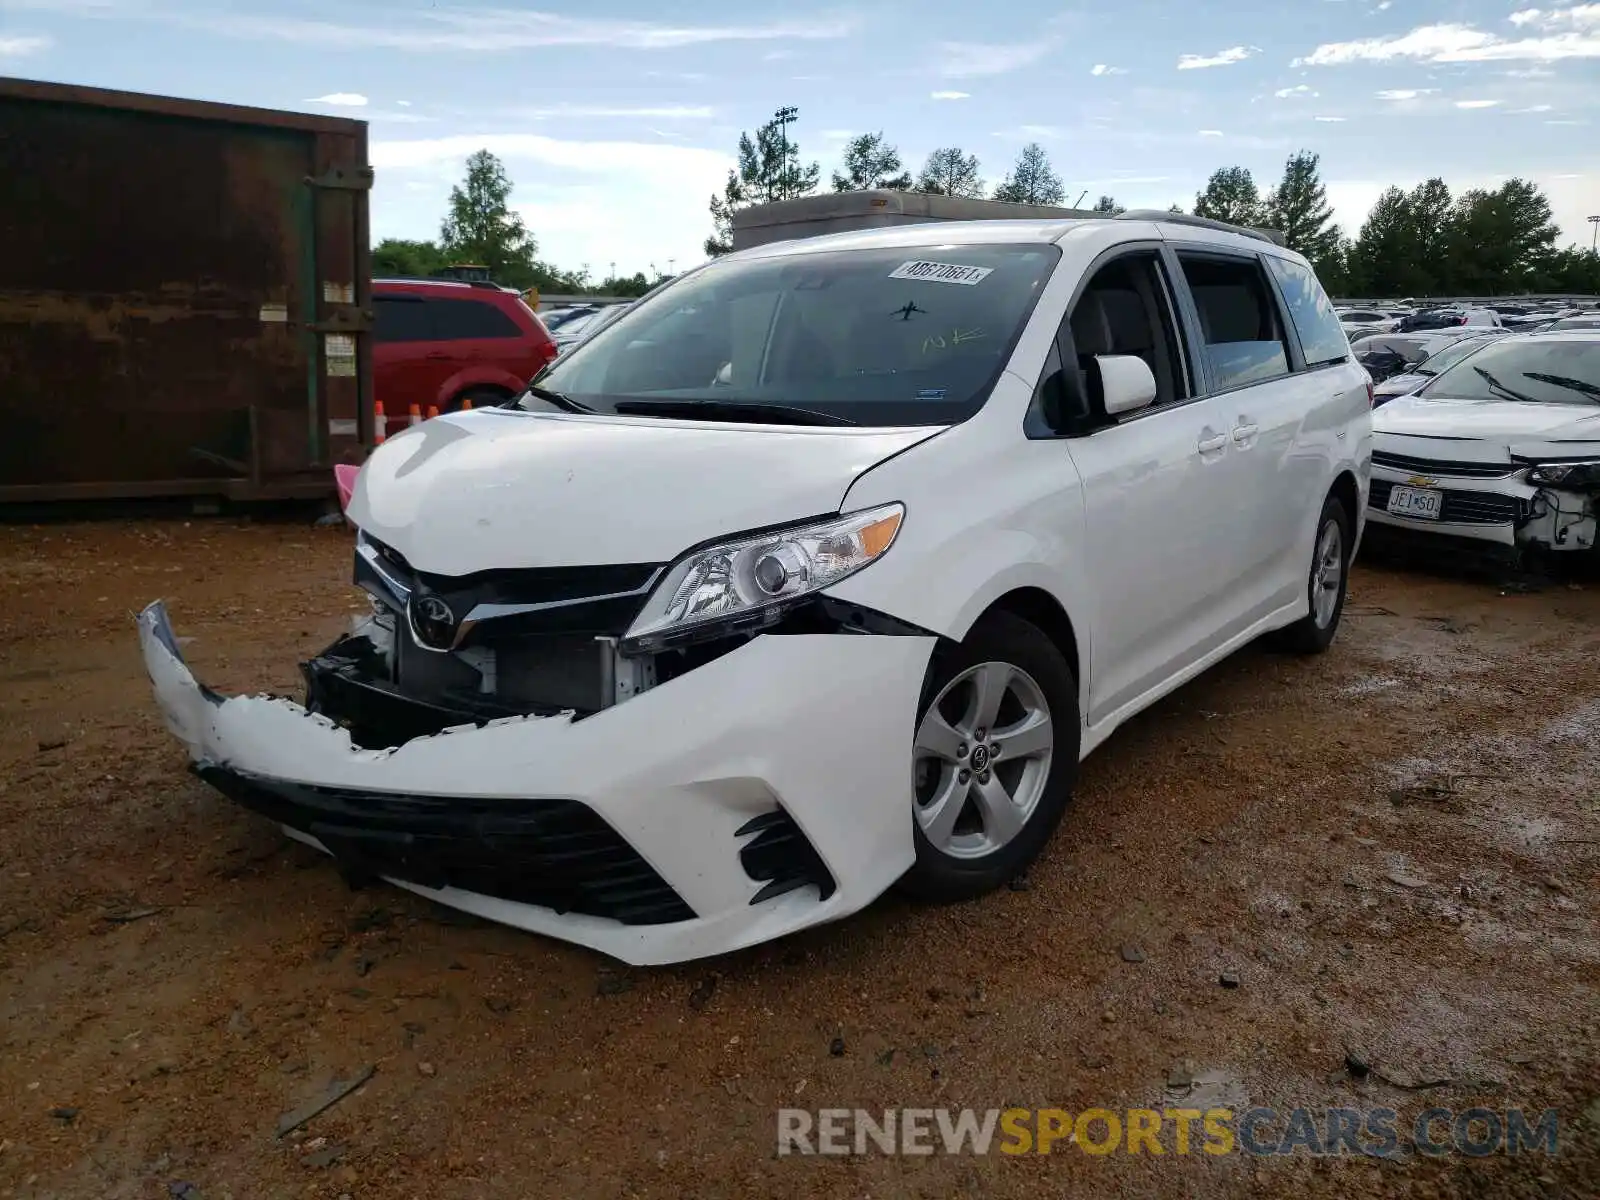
(1441, 361)
(902, 336)
(1546, 371)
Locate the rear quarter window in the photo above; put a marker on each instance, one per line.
(1322, 338)
(457, 320)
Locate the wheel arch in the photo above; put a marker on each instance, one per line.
(1039, 608)
(1348, 493)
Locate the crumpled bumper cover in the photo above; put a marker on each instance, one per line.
(651, 831)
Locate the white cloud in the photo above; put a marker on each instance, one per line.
(21, 47)
(949, 95)
(1579, 16)
(1103, 69)
(972, 60)
(1329, 120)
(341, 100)
(1477, 103)
(1405, 93)
(1534, 108)
(838, 135)
(1222, 58)
(467, 29)
(1454, 44)
(1211, 133)
(403, 103)
(1298, 90)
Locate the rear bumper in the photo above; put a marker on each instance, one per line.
(763, 792)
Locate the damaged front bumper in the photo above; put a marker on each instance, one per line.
(1495, 504)
(762, 792)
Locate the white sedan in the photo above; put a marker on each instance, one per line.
(1502, 448)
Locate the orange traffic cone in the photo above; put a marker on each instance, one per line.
(466, 403)
(433, 411)
(380, 423)
(416, 415)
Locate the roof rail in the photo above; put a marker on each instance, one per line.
(1172, 218)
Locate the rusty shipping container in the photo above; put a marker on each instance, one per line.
(184, 297)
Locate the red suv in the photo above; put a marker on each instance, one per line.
(437, 342)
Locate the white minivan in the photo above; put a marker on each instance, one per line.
(816, 572)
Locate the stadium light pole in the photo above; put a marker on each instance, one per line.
(1595, 221)
(783, 118)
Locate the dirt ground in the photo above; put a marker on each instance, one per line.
(1390, 851)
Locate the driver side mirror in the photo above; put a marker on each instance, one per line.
(1126, 383)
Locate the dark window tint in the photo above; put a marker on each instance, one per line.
(457, 319)
(1239, 320)
(401, 319)
(1322, 338)
(1125, 310)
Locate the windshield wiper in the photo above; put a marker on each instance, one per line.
(731, 410)
(1497, 386)
(559, 399)
(1565, 381)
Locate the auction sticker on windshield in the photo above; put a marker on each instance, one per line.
(940, 272)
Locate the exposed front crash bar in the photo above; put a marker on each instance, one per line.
(659, 799)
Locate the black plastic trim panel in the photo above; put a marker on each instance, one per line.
(554, 853)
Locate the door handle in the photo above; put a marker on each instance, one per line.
(1244, 433)
(1211, 445)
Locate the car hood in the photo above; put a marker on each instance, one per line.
(501, 488)
(1485, 430)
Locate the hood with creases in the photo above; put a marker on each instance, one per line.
(500, 488)
(1500, 421)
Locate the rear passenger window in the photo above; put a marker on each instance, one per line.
(400, 319)
(1239, 320)
(1322, 337)
(455, 320)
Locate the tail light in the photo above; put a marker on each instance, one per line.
(1372, 396)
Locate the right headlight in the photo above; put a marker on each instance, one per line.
(750, 580)
(1576, 475)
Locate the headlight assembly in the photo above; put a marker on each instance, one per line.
(1578, 476)
(751, 581)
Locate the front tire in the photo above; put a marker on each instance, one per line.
(994, 759)
(1326, 583)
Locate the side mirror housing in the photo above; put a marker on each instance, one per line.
(1126, 384)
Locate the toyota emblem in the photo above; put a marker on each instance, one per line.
(432, 621)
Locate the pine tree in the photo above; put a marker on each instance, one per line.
(1032, 181)
(950, 172)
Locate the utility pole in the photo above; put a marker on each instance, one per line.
(783, 118)
(1595, 221)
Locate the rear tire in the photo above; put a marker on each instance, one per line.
(1326, 583)
(979, 818)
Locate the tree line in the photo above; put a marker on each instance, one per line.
(1422, 242)
(1417, 243)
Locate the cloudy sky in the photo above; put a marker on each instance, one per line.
(617, 118)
